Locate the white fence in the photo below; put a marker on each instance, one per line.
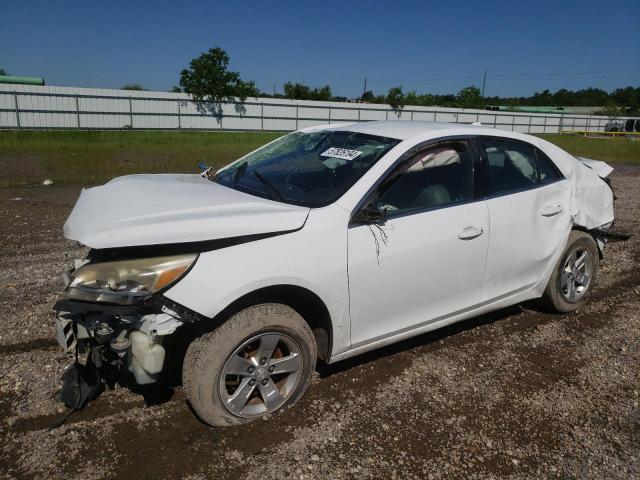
(34, 107)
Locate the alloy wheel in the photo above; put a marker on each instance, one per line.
(261, 374)
(576, 275)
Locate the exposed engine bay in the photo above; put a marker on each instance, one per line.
(113, 342)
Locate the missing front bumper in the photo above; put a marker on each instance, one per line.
(117, 339)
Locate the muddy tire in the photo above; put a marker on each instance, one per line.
(258, 362)
(574, 275)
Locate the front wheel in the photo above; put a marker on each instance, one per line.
(258, 362)
(573, 278)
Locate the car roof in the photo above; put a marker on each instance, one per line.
(414, 130)
(398, 129)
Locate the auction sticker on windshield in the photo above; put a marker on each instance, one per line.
(343, 153)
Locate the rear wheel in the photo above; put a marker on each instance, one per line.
(258, 362)
(575, 273)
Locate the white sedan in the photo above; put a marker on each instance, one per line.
(323, 244)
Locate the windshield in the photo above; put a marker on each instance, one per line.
(311, 169)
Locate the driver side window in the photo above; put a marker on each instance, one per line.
(439, 176)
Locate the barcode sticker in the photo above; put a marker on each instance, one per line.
(343, 153)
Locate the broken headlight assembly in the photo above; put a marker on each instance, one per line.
(126, 282)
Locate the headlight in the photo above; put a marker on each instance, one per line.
(126, 282)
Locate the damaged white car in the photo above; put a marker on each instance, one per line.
(323, 244)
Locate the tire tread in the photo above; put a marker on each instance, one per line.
(552, 299)
(226, 337)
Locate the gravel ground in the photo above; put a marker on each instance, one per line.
(517, 393)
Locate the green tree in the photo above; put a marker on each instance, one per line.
(563, 97)
(2, 72)
(590, 97)
(396, 99)
(426, 100)
(412, 98)
(210, 83)
(321, 94)
(368, 96)
(611, 110)
(133, 86)
(470, 97)
(628, 97)
(297, 91)
(175, 89)
(300, 91)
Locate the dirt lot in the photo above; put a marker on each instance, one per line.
(517, 393)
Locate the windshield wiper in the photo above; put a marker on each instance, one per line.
(239, 172)
(269, 186)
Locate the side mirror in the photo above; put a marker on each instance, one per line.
(371, 214)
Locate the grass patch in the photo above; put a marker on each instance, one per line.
(612, 150)
(91, 158)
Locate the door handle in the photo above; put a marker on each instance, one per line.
(551, 210)
(470, 232)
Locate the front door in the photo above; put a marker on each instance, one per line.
(427, 260)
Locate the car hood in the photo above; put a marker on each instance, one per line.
(140, 210)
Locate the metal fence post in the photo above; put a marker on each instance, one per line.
(329, 115)
(15, 101)
(359, 109)
(544, 126)
(386, 114)
(435, 114)
(130, 114)
(179, 111)
(296, 117)
(586, 129)
(561, 123)
(411, 115)
(529, 128)
(495, 120)
(77, 112)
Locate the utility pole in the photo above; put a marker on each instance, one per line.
(274, 89)
(365, 86)
(484, 81)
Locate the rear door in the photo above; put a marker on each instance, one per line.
(528, 201)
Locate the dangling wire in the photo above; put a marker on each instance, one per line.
(383, 236)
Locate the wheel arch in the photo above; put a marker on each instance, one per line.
(580, 228)
(308, 304)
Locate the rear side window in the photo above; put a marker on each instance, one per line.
(548, 170)
(511, 166)
(438, 176)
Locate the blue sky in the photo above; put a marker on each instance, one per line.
(436, 47)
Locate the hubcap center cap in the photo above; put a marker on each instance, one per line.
(261, 373)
